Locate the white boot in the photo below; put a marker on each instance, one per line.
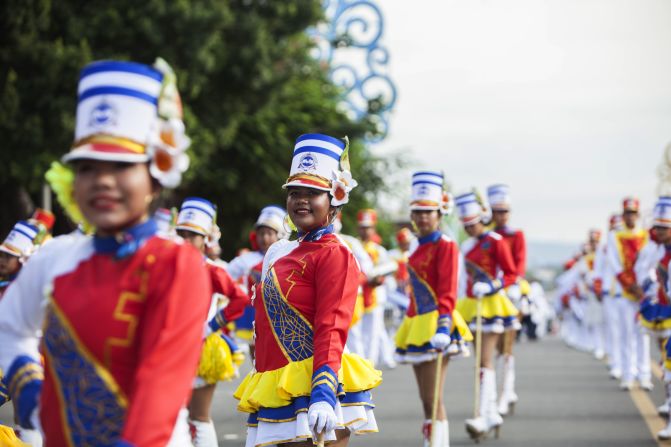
(508, 395)
(665, 434)
(426, 432)
(441, 434)
(203, 434)
(489, 417)
(663, 410)
(31, 437)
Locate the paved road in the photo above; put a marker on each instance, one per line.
(565, 400)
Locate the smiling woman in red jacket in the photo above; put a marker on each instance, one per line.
(304, 384)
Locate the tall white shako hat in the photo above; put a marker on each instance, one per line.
(615, 222)
(498, 197)
(366, 217)
(130, 112)
(20, 242)
(164, 220)
(428, 192)
(322, 162)
(272, 216)
(468, 208)
(197, 215)
(661, 213)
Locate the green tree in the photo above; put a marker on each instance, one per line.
(248, 84)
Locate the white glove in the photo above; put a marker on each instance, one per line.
(207, 330)
(514, 293)
(481, 289)
(321, 418)
(440, 341)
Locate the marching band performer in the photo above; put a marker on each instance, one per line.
(220, 356)
(15, 251)
(656, 307)
(486, 255)
(378, 348)
(426, 329)
(399, 295)
(595, 309)
(499, 200)
(652, 276)
(246, 268)
(117, 329)
(304, 384)
(622, 251)
(164, 222)
(603, 286)
(44, 220)
(355, 337)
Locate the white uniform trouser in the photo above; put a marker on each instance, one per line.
(611, 318)
(355, 339)
(635, 344)
(378, 348)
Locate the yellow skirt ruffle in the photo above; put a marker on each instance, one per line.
(9, 439)
(244, 334)
(217, 362)
(656, 326)
(277, 388)
(461, 326)
(418, 330)
(493, 307)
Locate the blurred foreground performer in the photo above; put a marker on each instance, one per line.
(305, 385)
(120, 339)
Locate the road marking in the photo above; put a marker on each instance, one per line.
(656, 370)
(648, 411)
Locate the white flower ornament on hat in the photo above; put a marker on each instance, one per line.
(341, 185)
(341, 180)
(167, 149)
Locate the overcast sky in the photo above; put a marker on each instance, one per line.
(568, 101)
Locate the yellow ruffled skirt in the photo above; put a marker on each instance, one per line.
(277, 388)
(498, 313)
(9, 439)
(414, 335)
(278, 401)
(219, 359)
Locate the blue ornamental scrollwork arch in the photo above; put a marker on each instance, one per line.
(349, 43)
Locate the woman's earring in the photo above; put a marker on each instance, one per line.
(414, 227)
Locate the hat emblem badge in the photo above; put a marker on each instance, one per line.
(307, 162)
(104, 114)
